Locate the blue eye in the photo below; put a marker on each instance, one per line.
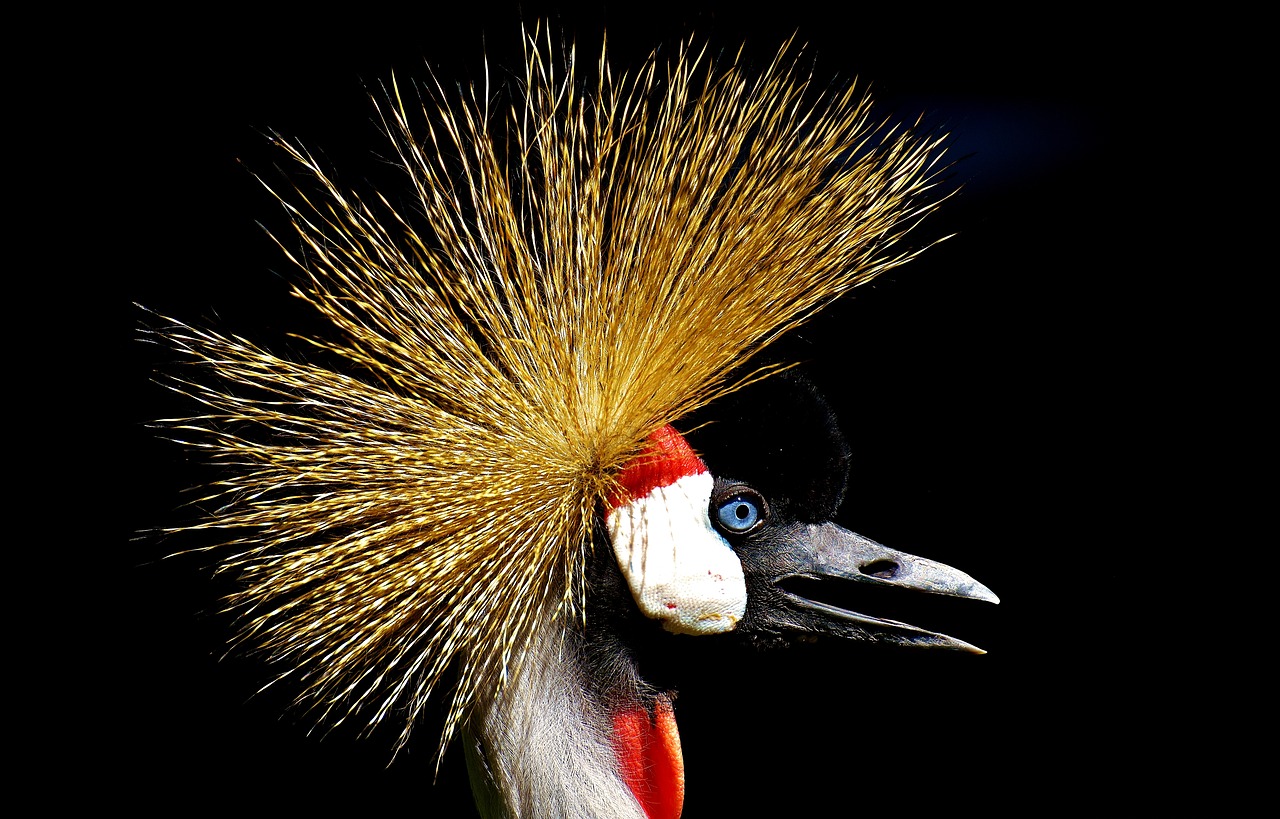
(738, 514)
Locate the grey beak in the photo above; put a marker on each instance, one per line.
(819, 553)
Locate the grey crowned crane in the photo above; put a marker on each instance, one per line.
(486, 470)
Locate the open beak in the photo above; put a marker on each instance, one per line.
(817, 570)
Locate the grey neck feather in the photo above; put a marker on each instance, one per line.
(541, 747)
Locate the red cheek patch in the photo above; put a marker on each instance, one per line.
(667, 459)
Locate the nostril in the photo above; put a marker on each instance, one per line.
(884, 569)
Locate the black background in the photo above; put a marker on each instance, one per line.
(980, 386)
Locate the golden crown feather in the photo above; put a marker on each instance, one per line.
(576, 268)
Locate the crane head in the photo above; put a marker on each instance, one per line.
(758, 551)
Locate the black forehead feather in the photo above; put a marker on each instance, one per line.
(781, 437)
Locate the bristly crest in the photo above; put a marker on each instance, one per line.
(575, 271)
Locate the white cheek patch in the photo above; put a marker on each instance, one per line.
(680, 570)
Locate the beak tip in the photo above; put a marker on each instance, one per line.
(980, 592)
(967, 648)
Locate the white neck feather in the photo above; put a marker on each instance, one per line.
(542, 748)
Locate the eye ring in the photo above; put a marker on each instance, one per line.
(739, 511)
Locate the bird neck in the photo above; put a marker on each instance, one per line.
(572, 734)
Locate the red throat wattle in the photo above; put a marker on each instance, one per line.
(647, 745)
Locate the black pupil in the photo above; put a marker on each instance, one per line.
(742, 512)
